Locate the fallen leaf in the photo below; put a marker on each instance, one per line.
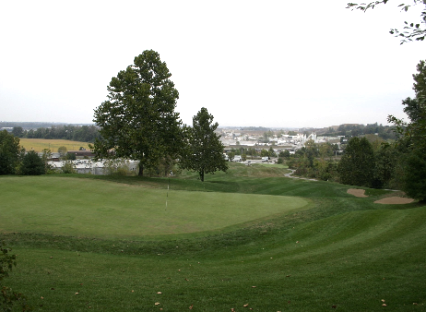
(186, 279)
(41, 297)
(384, 305)
(297, 242)
(253, 286)
(246, 305)
(191, 306)
(76, 293)
(232, 309)
(157, 303)
(287, 275)
(333, 306)
(383, 300)
(133, 290)
(414, 303)
(159, 293)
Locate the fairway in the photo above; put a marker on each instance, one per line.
(233, 243)
(92, 208)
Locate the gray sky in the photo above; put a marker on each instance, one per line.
(250, 63)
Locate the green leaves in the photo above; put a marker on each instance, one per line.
(412, 31)
(138, 121)
(204, 152)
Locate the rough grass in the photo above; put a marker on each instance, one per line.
(38, 145)
(340, 253)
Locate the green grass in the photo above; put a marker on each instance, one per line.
(96, 208)
(339, 253)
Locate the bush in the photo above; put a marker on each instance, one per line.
(68, 167)
(32, 164)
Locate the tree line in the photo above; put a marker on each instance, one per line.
(63, 132)
(373, 162)
(385, 132)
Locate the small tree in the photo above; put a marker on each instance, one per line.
(204, 152)
(9, 152)
(70, 156)
(357, 164)
(62, 150)
(68, 167)
(32, 164)
(47, 154)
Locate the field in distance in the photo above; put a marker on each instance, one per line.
(38, 145)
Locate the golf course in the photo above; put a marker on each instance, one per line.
(250, 239)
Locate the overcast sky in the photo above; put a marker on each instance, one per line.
(250, 63)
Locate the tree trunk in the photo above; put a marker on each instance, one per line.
(140, 173)
(201, 172)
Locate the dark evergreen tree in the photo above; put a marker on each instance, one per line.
(9, 152)
(357, 164)
(32, 164)
(204, 152)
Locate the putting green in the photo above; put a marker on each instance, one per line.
(80, 207)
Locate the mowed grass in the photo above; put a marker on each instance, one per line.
(38, 145)
(94, 208)
(338, 253)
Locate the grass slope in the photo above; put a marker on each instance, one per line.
(340, 253)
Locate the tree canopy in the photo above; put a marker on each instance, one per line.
(204, 152)
(9, 152)
(357, 164)
(411, 30)
(138, 120)
(32, 164)
(412, 143)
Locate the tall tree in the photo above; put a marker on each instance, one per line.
(204, 152)
(9, 152)
(413, 139)
(356, 166)
(138, 120)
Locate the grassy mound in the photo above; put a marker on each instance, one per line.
(96, 208)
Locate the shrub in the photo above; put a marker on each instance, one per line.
(32, 164)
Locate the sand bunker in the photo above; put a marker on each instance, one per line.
(357, 192)
(394, 200)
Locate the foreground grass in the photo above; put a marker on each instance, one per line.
(340, 253)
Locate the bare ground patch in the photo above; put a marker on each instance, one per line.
(357, 192)
(394, 200)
